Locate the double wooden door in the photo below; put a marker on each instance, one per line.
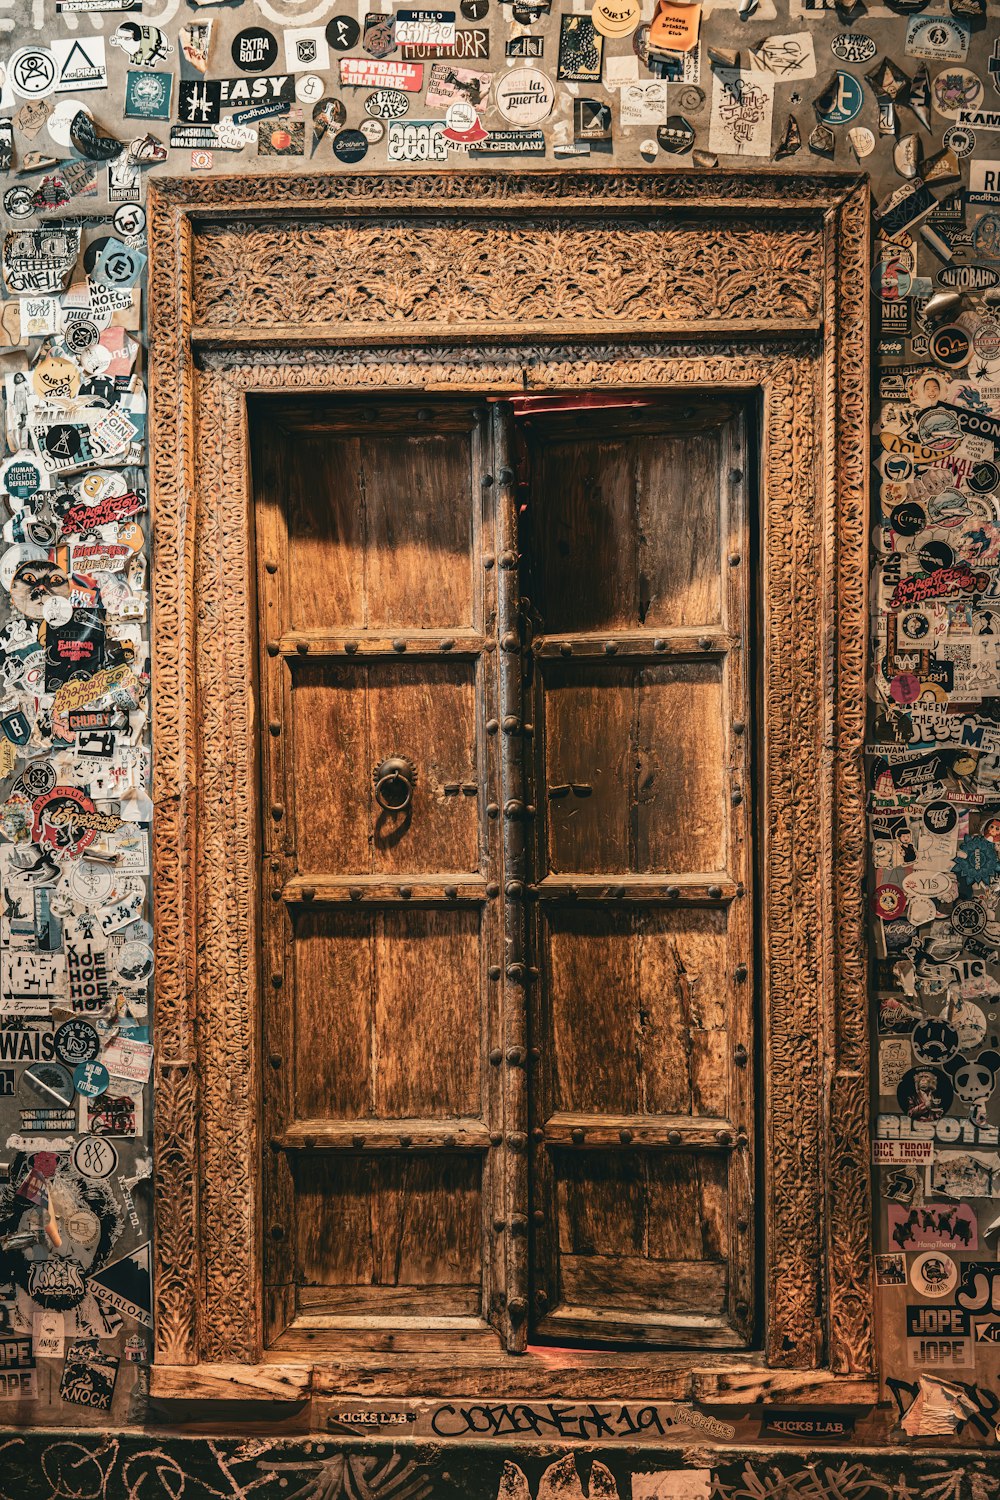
(506, 731)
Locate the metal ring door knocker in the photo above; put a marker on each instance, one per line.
(394, 782)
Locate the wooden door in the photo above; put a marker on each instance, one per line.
(638, 570)
(380, 871)
(506, 731)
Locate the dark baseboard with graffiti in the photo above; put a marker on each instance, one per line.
(137, 1465)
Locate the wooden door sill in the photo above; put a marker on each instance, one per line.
(558, 1374)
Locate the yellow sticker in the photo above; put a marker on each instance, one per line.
(616, 17)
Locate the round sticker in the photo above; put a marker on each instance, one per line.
(91, 884)
(925, 1093)
(915, 625)
(908, 518)
(956, 89)
(524, 96)
(133, 963)
(940, 817)
(475, 10)
(388, 104)
(309, 88)
(50, 1082)
(968, 917)
(254, 49)
(984, 478)
(57, 611)
(31, 72)
(933, 1274)
(91, 1079)
(839, 103)
(648, 150)
(349, 146)
(905, 688)
(76, 1042)
(342, 32)
(862, 141)
(934, 1041)
(81, 335)
(462, 123)
(889, 902)
(853, 47)
(960, 139)
(616, 17)
(14, 556)
(95, 1157)
(970, 1024)
(19, 202)
(372, 130)
(951, 346)
(129, 220)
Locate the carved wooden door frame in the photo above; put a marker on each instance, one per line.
(488, 282)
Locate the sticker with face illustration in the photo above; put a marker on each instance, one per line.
(49, 1248)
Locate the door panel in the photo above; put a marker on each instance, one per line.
(611, 554)
(636, 532)
(392, 1235)
(635, 767)
(387, 1012)
(345, 720)
(380, 530)
(378, 641)
(652, 987)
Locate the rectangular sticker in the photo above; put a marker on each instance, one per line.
(379, 72)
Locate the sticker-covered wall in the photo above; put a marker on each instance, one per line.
(96, 96)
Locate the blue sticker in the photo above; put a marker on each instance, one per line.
(841, 101)
(147, 96)
(91, 1079)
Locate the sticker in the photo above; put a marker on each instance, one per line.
(423, 28)
(933, 1226)
(199, 101)
(524, 96)
(254, 49)
(955, 90)
(373, 73)
(944, 38)
(841, 100)
(742, 106)
(379, 34)
(90, 1079)
(643, 103)
(581, 50)
(145, 46)
(147, 96)
(350, 146)
(31, 72)
(387, 104)
(417, 140)
(616, 17)
(447, 85)
(951, 346)
(933, 1274)
(89, 1376)
(75, 1042)
(123, 1286)
(80, 64)
(853, 47)
(306, 49)
(343, 33)
(902, 1153)
(925, 1093)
